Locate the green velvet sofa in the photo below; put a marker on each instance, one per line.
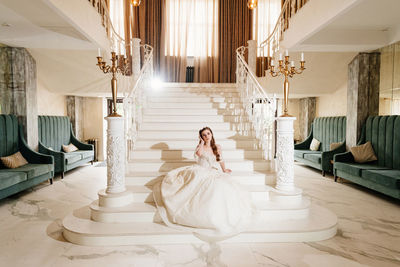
(39, 168)
(55, 131)
(327, 130)
(382, 175)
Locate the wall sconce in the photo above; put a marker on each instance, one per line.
(135, 2)
(252, 4)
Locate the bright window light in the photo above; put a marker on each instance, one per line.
(157, 83)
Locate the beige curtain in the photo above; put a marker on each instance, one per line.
(146, 24)
(190, 30)
(235, 26)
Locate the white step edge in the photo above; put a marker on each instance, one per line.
(79, 229)
(245, 178)
(147, 212)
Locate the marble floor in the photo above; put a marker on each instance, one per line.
(368, 230)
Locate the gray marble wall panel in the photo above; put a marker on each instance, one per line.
(75, 113)
(18, 89)
(362, 93)
(306, 116)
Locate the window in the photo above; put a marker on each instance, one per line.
(191, 28)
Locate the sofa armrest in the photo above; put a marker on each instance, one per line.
(327, 156)
(79, 144)
(30, 155)
(306, 143)
(343, 157)
(59, 157)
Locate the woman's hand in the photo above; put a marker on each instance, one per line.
(201, 141)
(227, 170)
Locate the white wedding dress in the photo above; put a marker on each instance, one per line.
(202, 199)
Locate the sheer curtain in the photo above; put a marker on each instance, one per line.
(265, 17)
(118, 21)
(190, 30)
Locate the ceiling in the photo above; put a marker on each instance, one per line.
(363, 25)
(33, 24)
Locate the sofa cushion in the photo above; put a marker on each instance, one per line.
(314, 146)
(72, 157)
(69, 148)
(356, 168)
(14, 161)
(85, 153)
(316, 158)
(33, 170)
(300, 152)
(10, 178)
(333, 146)
(363, 153)
(389, 178)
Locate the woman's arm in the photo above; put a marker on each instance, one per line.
(221, 160)
(200, 147)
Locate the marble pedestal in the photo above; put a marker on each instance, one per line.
(115, 195)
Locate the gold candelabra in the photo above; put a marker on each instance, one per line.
(284, 69)
(119, 64)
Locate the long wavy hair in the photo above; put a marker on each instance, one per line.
(212, 143)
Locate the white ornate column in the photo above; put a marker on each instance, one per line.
(115, 155)
(285, 154)
(135, 57)
(252, 58)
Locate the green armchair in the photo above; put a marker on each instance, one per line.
(327, 130)
(55, 131)
(39, 168)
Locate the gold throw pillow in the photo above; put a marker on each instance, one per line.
(314, 146)
(333, 146)
(69, 148)
(363, 153)
(14, 161)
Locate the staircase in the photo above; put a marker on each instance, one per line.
(166, 140)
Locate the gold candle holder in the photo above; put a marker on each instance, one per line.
(118, 65)
(284, 69)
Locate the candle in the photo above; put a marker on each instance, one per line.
(302, 56)
(292, 64)
(98, 52)
(280, 56)
(272, 62)
(286, 53)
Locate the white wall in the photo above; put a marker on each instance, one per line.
(334, 104)
(93, 121)
(50, 103)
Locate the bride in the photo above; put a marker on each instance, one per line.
(203, 198)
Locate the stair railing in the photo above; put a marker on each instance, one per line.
(260, 108)
(272, 44)
(135, 99)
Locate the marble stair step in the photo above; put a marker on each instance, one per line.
(171, 134)
(193, 99)
(203, 105)
(321, 224)
(195, 126)
(180, 154)
(184, 94)
(226, 144)
(199, 89)
(195, 118)
(193, 111)
(246, 178)
(147, 212)
(165, 166)
(145, 193)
